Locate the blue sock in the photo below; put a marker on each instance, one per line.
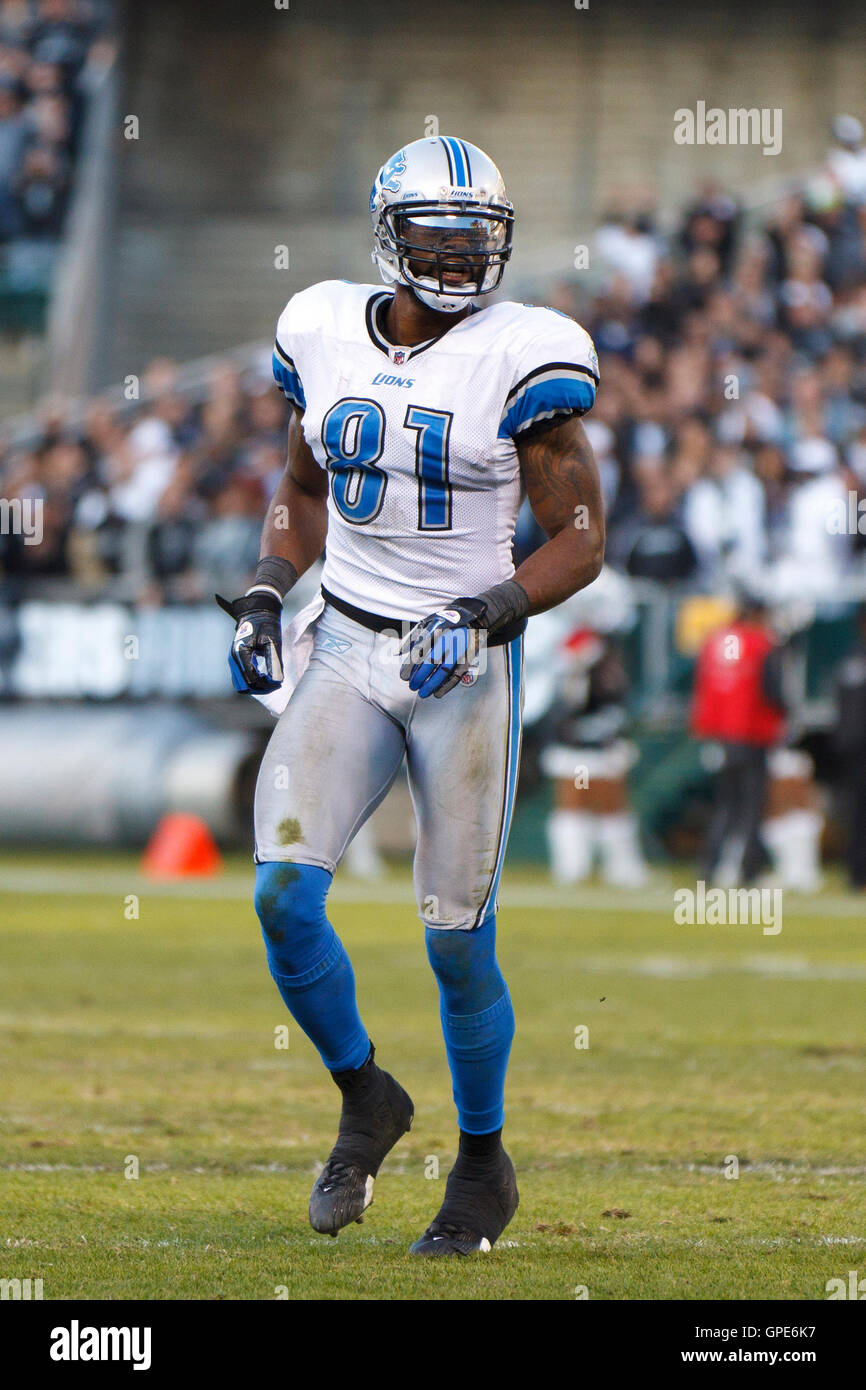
(477, 1021)
(308, 962)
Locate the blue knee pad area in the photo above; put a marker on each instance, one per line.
(308, 962)
(477, 1021)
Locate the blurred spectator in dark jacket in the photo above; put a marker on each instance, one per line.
(652, 542)
(41, 188)
(171, 539)
(712, 222)
(16, 133)
(850, 741)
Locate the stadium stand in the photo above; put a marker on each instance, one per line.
(46, 53)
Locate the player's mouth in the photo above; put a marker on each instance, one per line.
(456, 274)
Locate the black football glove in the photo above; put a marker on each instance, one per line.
(441, 649)
(255, 659)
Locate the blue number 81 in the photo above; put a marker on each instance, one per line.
(353, 433)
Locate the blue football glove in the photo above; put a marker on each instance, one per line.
(255, 659)
(441, 648)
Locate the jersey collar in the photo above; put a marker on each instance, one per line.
(397, 355)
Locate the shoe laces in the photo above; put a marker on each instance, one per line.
(451, 1230)
(336, 1169)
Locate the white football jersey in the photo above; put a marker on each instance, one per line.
(419, 442)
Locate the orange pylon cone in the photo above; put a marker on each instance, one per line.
(181, 847)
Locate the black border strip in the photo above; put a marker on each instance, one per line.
(285, 356)
(462, 144)
(549, 367)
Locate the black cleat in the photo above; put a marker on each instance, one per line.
(480, 1200)
(376, 1113)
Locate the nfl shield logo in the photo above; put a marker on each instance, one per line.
(399, 357)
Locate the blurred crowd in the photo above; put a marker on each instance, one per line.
(45, 49)
(161, 506)
(730, 429)
(731, 424)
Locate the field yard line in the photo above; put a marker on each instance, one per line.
(45, 1023)
(669, 967)
(514, 893)
(780, 1172)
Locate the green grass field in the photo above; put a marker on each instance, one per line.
(154, 1038)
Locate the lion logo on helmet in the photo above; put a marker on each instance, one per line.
(391, 172)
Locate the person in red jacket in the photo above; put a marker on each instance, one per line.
(738, 704)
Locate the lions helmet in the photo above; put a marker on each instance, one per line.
(442, 222)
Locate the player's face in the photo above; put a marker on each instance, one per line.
(451, 249)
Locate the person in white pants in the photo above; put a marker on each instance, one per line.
(588, 760)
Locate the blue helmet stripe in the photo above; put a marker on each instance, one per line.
(459, 163)
(460, 175)
(446, 147)
(468, 165)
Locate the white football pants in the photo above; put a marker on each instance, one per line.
(339, 744)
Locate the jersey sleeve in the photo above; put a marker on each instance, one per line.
(557, 375)
(286, 373)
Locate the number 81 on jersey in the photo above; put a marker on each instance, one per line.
(353, 433)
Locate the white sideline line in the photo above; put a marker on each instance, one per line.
(780, 1172)
(687, 968)
(234, 887)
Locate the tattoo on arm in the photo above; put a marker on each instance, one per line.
(560, 475)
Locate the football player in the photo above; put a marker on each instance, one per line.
(422, 415)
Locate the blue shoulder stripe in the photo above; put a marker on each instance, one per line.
(550, 369)
(542, 400)
(286, 377)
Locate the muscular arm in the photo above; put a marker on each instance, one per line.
(297, 518)
(561, 478)
(293, 537)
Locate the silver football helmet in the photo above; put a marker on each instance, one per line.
(442, 222)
